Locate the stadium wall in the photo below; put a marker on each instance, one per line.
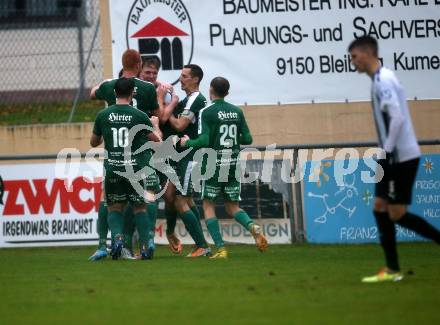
(283, 124)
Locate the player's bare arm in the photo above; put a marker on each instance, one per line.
(95, 140)
(168, 109)
(158, 133)
(94, 89)
(179, 124)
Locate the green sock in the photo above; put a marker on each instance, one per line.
(243, 219)
(142, 227)
(214, 230)
(102, 225)
(193, 227)
(196, 212)
(129, 226)
(171, 216)
(152, 217)
(116, 223)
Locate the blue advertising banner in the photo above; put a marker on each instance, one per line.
(338, 209)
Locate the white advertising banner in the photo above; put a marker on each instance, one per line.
(283, 51)
(57, 205)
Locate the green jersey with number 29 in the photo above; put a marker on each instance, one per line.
(225, 126)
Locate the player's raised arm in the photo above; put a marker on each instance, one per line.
(168, 108)
(156, 135)
(93, 92)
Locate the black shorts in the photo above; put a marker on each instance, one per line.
(397, 182)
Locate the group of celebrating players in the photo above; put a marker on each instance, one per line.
(142, 110)
(222, 128)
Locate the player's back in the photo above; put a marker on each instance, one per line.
(226, 124)
(144, 96)
(115, 124)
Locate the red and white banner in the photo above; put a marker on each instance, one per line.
(57, 205)
(49, 205)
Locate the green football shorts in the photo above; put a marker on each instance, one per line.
(229, 190)
(119, 189)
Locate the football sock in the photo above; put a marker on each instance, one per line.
(420, 226)
(152, 217)
(171, 216)
(196, 212)
(214, 230)
(116, 223)
(243, 219)
(129, 226)
(387, 238)
(142, 227)
(193, 227)
(102, 225)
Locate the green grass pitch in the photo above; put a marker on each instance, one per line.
(302, 284)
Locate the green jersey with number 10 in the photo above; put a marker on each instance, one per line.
(115, 124)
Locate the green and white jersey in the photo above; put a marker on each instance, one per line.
(225, 127)
(190, 108)
(115, 125)
(144, 98)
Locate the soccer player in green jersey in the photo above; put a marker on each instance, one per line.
(167, 100)
(184, 120)
(145, 96)
(222, 127)
(144, 99)
(124, 131)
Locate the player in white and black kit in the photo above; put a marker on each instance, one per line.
(396, 136)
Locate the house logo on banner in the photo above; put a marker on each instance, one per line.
(162, 30)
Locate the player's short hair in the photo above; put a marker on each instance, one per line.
(151, 62)
(131, 60)
(196, 71)
(365, 42)
(220, 86)
(124, 87)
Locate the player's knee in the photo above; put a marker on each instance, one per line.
(139, 208)
(396, 212)
(180, 204)
(231, 208)
(380, 205)
(115, 207)
(150, 196)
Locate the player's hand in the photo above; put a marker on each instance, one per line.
(167, 86)
(155, 121)
(174, 99)
(161, 91)
(184, 140)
